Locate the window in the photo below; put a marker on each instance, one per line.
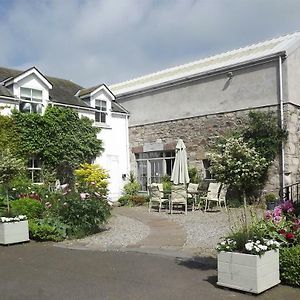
(35, 170)
(207, 172)
(152, 166)
(32, 100)
(100, 115)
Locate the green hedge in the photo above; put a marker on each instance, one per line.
(32, 208)
(290, 265)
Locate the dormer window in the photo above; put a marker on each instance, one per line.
(31, 100)
(100, 115)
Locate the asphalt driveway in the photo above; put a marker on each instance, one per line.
(42, 271)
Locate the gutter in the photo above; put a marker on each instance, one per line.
(282, 156)
(72, 106)
(203, 75)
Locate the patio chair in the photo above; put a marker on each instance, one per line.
(160, 187)
(156, 198)
(192, 193)
(212, 194)
(222, 195)
(178, 197)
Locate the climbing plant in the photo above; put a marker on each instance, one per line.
(60, 138)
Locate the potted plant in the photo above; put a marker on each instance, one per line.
(271, 201)
(248, 262)
(13, 230)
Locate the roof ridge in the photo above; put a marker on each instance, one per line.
(279, 39)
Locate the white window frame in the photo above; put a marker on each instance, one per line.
(34, 168)
(31, 101)
(101, 106)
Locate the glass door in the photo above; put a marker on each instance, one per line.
(156, 170)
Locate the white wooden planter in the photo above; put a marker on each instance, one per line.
(247, 272)
(14, 232)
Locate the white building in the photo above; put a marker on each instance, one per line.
(31, 92)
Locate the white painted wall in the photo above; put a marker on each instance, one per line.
(114, 133)
(32, 82)
(115, 157)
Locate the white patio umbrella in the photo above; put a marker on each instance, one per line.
(180, 173)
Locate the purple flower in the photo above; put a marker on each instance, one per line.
(287, 206)
(268, 214)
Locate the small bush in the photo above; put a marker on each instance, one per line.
(124, 201)
(33, 209)
(83, 217)
(132, 188)
(290, 265)
(47, 230)
(138, 200)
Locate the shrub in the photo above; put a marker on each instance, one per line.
(92, 178)
(47, 230)
(289, 261)
(270, 197)
(33, 209)
(132, 188)
(138, 199)
(124, 200)
(83, 215)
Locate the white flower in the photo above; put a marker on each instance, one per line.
(249, 246)
(13, 189)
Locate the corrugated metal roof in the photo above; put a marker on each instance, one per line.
(227, 59)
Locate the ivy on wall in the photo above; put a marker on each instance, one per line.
(59, 138)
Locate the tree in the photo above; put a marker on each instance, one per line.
(10, 166)
(236, 163)
(264, 134)
(59, 138)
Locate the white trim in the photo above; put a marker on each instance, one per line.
(23, 75)
(72, 106)
(105, 89)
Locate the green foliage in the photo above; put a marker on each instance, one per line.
(33, 209)
(83, 217)
(133, 187)
(60, 138)
(270, 197)
(10, 166)
(135, 200)
(166, 181)
(237, 164)
(194, 175)
(47, 230)
(124, 200)
(289, 261)
(92, 178)
(8, 137)
(138, 200)
(263, 133)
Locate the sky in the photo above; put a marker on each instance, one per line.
(110, 41)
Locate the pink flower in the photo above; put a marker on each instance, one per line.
(83, 196)
(277, 211)
(268, 214)
(277, 219)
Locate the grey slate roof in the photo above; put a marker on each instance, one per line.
(63, 90)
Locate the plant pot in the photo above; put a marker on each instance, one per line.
(247, 272)
(14, 232)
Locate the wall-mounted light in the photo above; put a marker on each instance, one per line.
(230, 75)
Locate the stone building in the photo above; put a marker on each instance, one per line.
(201, 100)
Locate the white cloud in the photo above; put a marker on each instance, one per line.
(97, 41)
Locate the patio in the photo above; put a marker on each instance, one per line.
(135, 229)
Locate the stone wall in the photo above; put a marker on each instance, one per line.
(292, 146)
(198, 134)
